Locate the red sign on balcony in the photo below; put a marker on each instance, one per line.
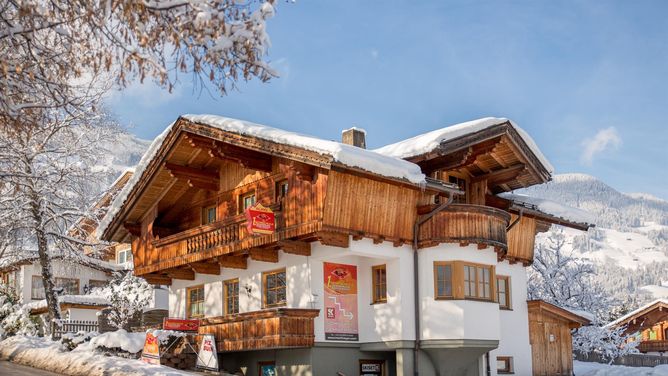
(181, 325)
(261, 220)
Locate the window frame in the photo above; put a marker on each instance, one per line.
(265, 289)
(376, 298)
(492, 281)
(226, 295)
(97, 281)
(189, 290)
(56, 284)
(32, 287)
(508, 293)
(508, 366)
(278, 191)
(459, 178)
(452, 280)
(205, 214)
(242, 200)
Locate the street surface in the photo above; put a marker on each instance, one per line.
(9, 368)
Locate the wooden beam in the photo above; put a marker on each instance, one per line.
(234, 262)
(133, 228)
(250, 159)
(157, 279)
(303, 171)
(295, 247)
(335, 239)
(263, 254)
(181, 273)
(501, 176)
(205, 268)
(198, 178)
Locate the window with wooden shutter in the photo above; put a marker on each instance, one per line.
(503, 291)
(195, 301)
(443, 276)
(231, 298)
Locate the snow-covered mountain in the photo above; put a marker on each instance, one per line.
(125, 151)
(629, 245)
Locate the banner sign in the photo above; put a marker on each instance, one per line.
(261, 220)
(207, 357)
(151, 352)
(181, 325)
(340, 302)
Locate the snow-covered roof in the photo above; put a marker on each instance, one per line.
(636, 312)
(29, 257)
(552, 208)
(427, 142)
(342, 153)
(587, 315)
(90, 300)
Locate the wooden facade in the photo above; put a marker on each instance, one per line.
(550, 337)
(267, 329)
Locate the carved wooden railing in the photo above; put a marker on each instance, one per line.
(653, 346)
(202, 238)
(267, 329)
(465, 224)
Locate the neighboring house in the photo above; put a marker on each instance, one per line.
(376, 258)
(648, 325)
(551, 342)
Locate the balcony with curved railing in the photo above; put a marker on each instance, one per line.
(467, 224)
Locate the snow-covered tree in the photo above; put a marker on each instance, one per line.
(56, 53)
(128, 295)
(609, 343)
(46, 170)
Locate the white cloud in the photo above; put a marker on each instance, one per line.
(604, 139)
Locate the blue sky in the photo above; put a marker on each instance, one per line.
(587, 79)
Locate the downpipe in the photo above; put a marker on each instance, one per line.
(416, 234)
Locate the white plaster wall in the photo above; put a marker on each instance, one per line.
(455, 319)
(82, 314)
(515, 323)
(60, 269)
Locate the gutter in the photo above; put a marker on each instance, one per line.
(416, 301)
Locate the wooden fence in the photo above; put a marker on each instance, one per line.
(631, 360)
(60, 327)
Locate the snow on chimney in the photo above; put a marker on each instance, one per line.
(354, 136)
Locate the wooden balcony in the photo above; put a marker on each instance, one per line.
(260, 330)
(467, 224)
(653, 346)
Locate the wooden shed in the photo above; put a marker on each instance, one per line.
(550, 337)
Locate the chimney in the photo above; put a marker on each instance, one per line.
(354, 136)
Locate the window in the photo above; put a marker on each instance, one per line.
(461, 183)
(443, 280)
(477, 282)
(504, 364)
(124, 255)
(96, 284)
(503, 291)
(281, 190)
(379, 281)
(246, 201)
(231, 296)
(274, 288)
(195, 297)
(208, 214)
(70, 286)
(463, 280)
(37, 288)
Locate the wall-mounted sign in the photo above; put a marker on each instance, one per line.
(207, 357)
(181, 325)
(371, 367)
(151, 352)
(340, 302)
(261, 220)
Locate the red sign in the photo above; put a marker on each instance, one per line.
(181, 325)
(151, 353)
(261, 220)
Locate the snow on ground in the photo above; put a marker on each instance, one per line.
(43, 353)
(598, 369)
(130, 342)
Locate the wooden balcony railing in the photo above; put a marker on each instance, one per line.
(653, 346)
(463, 223)
(267, 329)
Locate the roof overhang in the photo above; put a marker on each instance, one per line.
(544, 307)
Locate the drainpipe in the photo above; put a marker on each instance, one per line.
(416, 234)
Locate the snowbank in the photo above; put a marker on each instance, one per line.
(552, 208)
(130, 342)
(45, 354)
(598, 369)
(429, 141)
